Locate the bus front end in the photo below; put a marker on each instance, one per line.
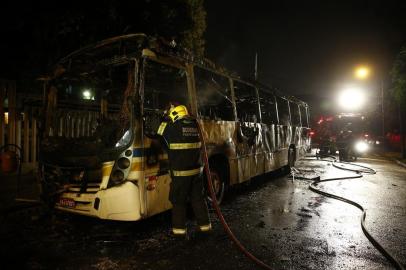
(88, 158)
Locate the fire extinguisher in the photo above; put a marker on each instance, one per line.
(9, 159)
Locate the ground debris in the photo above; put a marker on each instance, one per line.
(260, 224)
(34, 265)
(284, 259)
(307, 210)
(147, 244)
(304, 215)
(105, 263)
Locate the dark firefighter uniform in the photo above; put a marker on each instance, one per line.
(181, 135)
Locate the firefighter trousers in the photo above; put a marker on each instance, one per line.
(182, 190)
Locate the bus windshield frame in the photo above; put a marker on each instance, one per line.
(93, 108)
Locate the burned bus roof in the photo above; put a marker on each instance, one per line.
(123, 48)
(94, 50)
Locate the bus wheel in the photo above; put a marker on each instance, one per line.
(291, 157)
(218, 185)
(47, 194)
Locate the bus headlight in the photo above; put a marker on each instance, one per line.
(123, 163)
(121, 168)
(117, 176)
(361, 146)
(125, 139)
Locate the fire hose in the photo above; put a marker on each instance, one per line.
(218, 211)
(358, 174)
(312, 187)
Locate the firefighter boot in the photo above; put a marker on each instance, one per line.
(203, 220)
(179, 221)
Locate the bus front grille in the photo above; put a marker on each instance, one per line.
(73, 179)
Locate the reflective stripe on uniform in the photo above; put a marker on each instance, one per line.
(177, 146)
(161, 128)
(188, 172)
(178, 231)
(205, 228)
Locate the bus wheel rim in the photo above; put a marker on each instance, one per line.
(215, 179)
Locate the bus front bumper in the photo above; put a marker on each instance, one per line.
(117, 203)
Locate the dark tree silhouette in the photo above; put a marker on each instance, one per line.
(36, 34)
(399, 92)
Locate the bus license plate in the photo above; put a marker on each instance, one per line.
(66, 202)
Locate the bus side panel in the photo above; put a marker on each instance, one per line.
(244, 172)
(220, 138)
(279, 136)
(297, 140)
(297, 136)
(284, 141)
(305, 139)
(289, 136)
(284, 133)
(158, 198)
(233, 162)
(246, 151)
(281, 158)
(156, 177)
(269, 140)
(258, 153)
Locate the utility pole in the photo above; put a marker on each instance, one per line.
(256, 67)
(382, 109)
(402, 131)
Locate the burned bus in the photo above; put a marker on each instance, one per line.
(97, 155)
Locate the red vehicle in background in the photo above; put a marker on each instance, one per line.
(323, 136)
(345, 133)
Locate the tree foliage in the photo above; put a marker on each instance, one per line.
(44, 32)
(399, 77)
(399, 92)
(193, 37)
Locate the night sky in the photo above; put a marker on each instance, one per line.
(306, 47)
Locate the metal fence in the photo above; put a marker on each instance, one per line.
(18, 123)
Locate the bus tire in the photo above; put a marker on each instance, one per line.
(48, 195)
(218, 182)
(291, 156)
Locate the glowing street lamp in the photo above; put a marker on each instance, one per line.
(361, 73)
(87, 94)
(351, 99)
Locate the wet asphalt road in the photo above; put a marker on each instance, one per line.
(278, 219)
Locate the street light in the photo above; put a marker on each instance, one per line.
(87, 94)
(361, 72)
(351, 99)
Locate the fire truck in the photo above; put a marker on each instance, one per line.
(345, 133)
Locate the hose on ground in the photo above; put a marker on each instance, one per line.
(313, 187)
(219, 213)
(359, 173)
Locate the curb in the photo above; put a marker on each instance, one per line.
(400, 163)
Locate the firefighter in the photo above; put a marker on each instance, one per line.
(181, 135)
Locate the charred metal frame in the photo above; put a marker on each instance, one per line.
(243, 158)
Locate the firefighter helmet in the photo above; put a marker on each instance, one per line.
(178, 112)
